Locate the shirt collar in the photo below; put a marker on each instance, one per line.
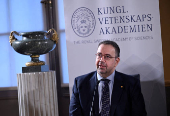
(111, 77)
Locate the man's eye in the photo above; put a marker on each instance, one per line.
(107, 56)
(99, 55)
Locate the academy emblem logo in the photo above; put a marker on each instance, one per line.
(83, 22)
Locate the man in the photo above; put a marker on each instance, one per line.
(106, 92)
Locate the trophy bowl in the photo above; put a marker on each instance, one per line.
(34, 44)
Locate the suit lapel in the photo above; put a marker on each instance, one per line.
(117, 92)
(92, 85)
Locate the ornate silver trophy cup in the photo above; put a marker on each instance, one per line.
(34, 44)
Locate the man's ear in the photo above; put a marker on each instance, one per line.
(117, 61)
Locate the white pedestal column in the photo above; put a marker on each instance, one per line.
(37, 94)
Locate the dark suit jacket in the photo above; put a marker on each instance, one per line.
(127, 99)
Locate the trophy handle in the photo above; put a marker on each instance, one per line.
(54, 35)
(12, 37)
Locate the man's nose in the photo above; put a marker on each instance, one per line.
(102, 58)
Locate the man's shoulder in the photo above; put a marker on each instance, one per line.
(86, 76)
(84, 79)
(128, 78)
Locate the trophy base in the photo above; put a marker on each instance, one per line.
(42, 68)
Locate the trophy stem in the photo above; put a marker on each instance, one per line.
(35, 61)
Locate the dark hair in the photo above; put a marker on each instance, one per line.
(112, 43)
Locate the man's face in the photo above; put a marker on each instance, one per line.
(106, 67)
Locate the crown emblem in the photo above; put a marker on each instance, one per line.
(83, 21)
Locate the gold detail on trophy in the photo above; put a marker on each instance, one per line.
(35, 63)
(35, 56)
(54, 35)
(12, 37)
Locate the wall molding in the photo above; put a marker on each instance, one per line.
(167, 83)
(8, 94)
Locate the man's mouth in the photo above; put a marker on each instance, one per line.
(101, 65)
